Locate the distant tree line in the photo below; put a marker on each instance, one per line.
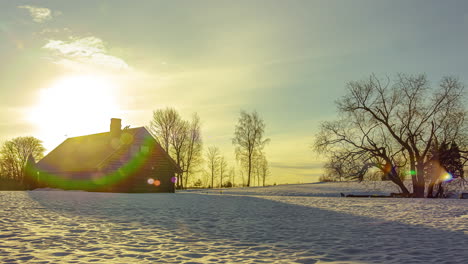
(182, 139)
(399, 128)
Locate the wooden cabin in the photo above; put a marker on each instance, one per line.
(128, 160)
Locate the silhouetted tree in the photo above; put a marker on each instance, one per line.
(180, 138)
(260, 168)
(179, 141)
(256, 168)
(248, 139)
(14, 156)
(353, 150)
(445, 165)
(264, 169)
(213, 158)
(334, 171)
(163, 124)
(223, 165)
(194, 147)
(383, 123)
(232, 175)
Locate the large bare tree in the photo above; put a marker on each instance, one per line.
(354, 145)
(393, 125)
(14, 156)
(249, 140)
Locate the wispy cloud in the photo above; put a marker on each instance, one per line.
(53, 31)
(84, 51)
(38, 14)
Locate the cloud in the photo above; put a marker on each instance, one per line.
(53, 31)
(38, 14)
(88, 51)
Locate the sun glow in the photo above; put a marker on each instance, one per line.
(75, 105)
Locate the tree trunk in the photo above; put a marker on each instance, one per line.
(250, 171)
(440, 191)
(400, 184)
(212, 179)
(430, 189)
(181, 180)
(419, 187)
(393, 176)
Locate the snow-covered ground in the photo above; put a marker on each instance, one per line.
(331, 189)
(306, 223)
(319, 189)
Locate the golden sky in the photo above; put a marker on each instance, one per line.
(69, 66)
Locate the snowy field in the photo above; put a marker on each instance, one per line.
(306, 223)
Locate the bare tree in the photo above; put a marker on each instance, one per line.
(445, 165)
(180, 138)
(391, 126)
(261, 169)
(334, 170)
(223, 165)
(248, 139)
(179, 141)
(264, 169)
(194, 147)
(213, 158)
(14, 156)
(232, 175)
(256, 164)
(355, 145)
(241, 171)
(162, 126)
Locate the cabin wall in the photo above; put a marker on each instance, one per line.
(151, 163)
(83, 180)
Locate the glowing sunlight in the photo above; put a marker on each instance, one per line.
(75, 105)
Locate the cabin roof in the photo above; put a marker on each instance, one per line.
(90, 152)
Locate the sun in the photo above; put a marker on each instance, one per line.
(76, 105)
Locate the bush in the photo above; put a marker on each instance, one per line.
(198, 183)
(327, 178)
(227, 184)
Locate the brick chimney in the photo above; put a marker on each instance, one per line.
(115, 127)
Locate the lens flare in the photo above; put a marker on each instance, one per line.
(447, 177)
(387, 168)
(150, 181)
(157, 183)
(174, 179)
